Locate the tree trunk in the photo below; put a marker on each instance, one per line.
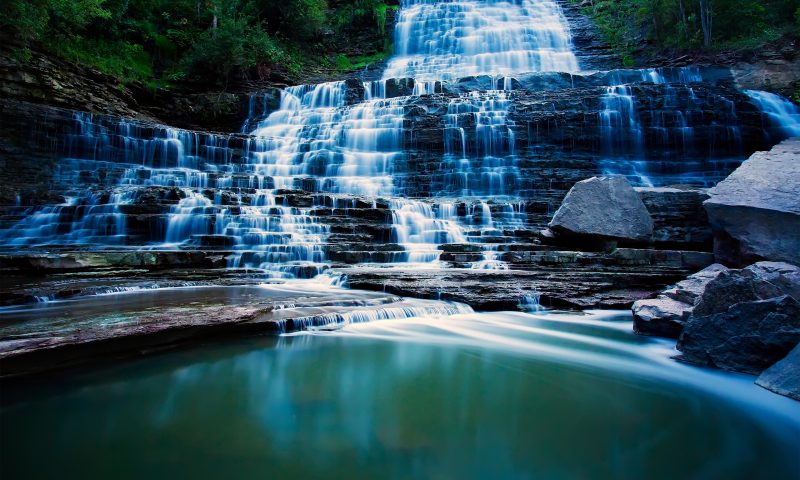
(705, 21)
(684, 22)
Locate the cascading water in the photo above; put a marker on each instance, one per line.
(265, 198)
(454, 39)
(351, 150)
(779, 112)
(441, 41)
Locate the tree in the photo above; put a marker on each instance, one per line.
(706, 20)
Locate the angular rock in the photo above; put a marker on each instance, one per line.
(761, 281)
(748, 337)
(605, 207)
(666, 315)
(783, 378)
(661, 317)
(755, 212)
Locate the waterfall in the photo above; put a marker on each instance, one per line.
(447, 40)
(444, 41)
(779, 112)
(274, 196)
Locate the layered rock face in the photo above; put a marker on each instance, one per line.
(755, 212)
(349, 173)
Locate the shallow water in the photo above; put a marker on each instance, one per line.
(505, 395)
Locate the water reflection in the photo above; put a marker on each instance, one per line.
(469, 396)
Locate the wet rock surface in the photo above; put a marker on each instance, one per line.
(138, 323)
(755, 212)
(679, 219)
(556, 279)
(784, 376)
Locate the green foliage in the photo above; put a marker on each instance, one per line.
(158, 41)
(628, 25)
(294, 19)
(345, 63)
(32, 20)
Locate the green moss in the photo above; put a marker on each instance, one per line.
(121, 59)
(356, 62)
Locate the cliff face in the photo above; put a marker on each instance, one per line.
(552, 136)
(48, 80)
(591, 49)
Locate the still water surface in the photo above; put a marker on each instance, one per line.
(502, 395)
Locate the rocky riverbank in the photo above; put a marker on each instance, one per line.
(745, 320)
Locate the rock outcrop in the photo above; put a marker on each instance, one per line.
(784, 377)
(679, 219)
(755, 212)
(748, 337)
(605, 207)
(744, 320)
(666, 315)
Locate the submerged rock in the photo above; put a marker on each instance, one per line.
(755, 212)
(666, 315)
(783, 377)
(605, 207)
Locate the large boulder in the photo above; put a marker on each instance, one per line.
(755, 212)
(745, 320)
(784, 377)
(665, 315)
(748, 337)
(605, 207)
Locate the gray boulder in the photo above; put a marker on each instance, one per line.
(755, 212)
(784, 377)
(760, 281)
(744, 320)
(748, 337)
(665, 315)
(603, 207)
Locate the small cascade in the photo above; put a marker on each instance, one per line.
(779, 112)
(313, 137)
(285, 240)
(531, 302)
(619, 122)
(94, 219)
(491, 260)
(458, 38)
(191, 217)
(398, 310)
(665, 148)
(420, 229)
(486, 165)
